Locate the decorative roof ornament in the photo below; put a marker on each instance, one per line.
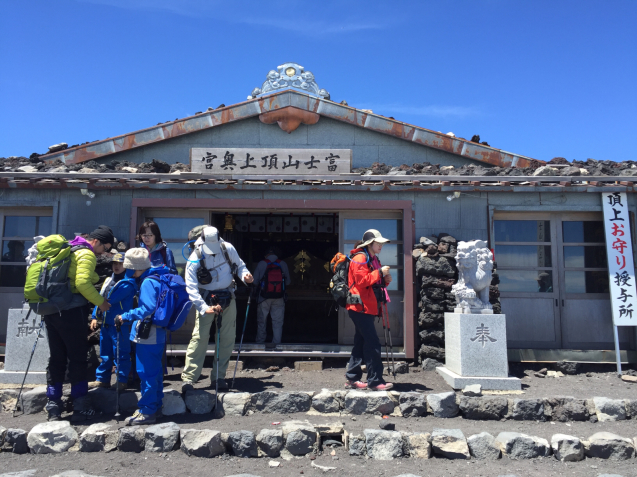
(290, 76)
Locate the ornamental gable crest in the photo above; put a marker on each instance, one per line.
(290, 76)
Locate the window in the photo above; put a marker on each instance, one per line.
(524, 259)
(532, 253)
(585, 266)
(18, 231)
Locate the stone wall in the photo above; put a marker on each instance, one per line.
(436, 273)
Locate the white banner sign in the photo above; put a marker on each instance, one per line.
(258, 161)
(619, 251)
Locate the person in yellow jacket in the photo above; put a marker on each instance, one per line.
(67, 330)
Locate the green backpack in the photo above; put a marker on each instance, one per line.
(47, 288)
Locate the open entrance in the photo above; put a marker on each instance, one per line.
(308, 234)
(306, 243)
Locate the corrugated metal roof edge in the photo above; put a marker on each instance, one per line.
(283, 99)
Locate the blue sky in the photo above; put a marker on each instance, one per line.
(538, 78)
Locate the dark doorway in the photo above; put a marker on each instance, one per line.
(307, 243)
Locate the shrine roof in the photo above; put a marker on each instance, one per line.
(295, 106)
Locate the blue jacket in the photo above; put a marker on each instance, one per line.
(157, 257)
(120, 296)
(146, 306)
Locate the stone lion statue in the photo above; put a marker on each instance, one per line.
(475, 266)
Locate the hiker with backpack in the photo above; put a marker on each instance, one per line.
(210, 284)
(162, 306)
(120, 292)
(273, 278)
(367, 279)
(66, 320)
(150, 239)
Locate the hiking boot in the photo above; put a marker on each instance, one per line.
(222, 384)
(83, 409)
(98, 384)
(135, 414)
(118, 386)
(270, 346)
(187, 386)
(355, 385)
(382, 387)
(84, 415)
(54, 410)
(139, 419)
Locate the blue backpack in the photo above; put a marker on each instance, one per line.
(173, 303)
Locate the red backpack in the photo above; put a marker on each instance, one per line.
(273, 283)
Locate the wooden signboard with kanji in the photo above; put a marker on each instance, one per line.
(271, 161)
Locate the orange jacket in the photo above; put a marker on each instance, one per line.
(360, 281)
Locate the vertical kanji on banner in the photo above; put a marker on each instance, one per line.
(619, 251)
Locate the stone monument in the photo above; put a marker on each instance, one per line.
(475, 337)
(21, 334)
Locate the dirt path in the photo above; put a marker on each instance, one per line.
(596, 380)
(177, 464)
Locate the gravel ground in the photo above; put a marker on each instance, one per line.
(595, 380)
(177, 464)
(601, 381)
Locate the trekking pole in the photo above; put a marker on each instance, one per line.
(382, 316)
(29, 364)
(218, 320)
(391, 345)
(241, 342)
(118, 327)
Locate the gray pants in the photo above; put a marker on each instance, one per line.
(276, 308)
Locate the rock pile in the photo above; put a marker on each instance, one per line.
(35, 164)
(436, 273)
(558, 166)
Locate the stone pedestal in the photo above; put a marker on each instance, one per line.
(21, 334)
(476, 352)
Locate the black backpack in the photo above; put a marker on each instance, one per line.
(339, 285)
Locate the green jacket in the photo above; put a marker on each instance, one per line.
(83, 277)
